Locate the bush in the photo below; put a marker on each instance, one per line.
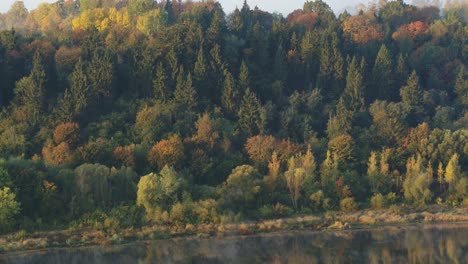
(128, 215)
(348, 205)
(377, 201)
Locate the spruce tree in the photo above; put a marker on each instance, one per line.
(461, 88)
(229, 99)
(244, 81)
(250, 120)
(185, 94)
(382, 77)
(353, 94)
(160, 84)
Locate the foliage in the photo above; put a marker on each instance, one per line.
(260, 113)
(9, 209)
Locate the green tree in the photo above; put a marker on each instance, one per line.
(230, 96)
(353, 93)
(158, 191)
(417, 183)
(411, 96)
(100, 75)
(75, 100)
(453, 170)
(461, 88)
(29, 92)
(241, 188)
(160, 84)
(382, 77)
(185, 94)
(250, 120)
(9, 209)
(244, 78)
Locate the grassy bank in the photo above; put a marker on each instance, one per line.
(329, 220)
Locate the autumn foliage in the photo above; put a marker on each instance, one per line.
(166, 152)
(363, 29)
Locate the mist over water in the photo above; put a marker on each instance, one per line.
(410, 244)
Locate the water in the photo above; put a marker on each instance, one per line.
(441, 243)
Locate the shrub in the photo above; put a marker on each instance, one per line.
(128, 215)
(348, 205)
(377, 201)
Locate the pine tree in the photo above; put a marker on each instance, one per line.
(169, 11)
(382, 76)
(401, 70)
(411, 96)
(29, 92)
(200, 75)
(353, 97)
(185, 94)
(229, 99)
(100, 75)
(250, 121)
(160, 84)
(461, 88)
(280, 67)
(244, 81)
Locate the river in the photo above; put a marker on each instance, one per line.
(425, 243)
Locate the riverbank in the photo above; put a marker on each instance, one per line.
(22, 241)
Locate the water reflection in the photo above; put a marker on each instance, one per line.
(411, 244)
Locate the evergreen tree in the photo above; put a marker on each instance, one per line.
(75, 99)
(353, 93)
(280, 66)
(382, 76)
(229, 99)
(29, 92)
(185, 94)
(160, 84)
(411, 96)
(100, 75)
(250, 121)
(169, 11)
(461, 88)
(244, 78)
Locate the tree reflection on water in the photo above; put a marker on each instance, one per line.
(441, 243)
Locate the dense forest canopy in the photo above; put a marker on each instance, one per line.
(175, 112)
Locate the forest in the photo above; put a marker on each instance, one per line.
(136, 112)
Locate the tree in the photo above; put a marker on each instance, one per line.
(417, 183)
(29, 91)
(75, 100)
(229, 98)
(68, 133)
(241, 188)
(244, 78)
(300, 173)
(461, 88)
(138, 7)
(453, 170)
(250, 120)
(160, 84)
(411, 96)
(167, 152)
(353, 93)
(168, 9)
(93, 189)
(382, 76)
(100, 73)
(152, 21)
(363, 29)
(9, 209)
(158, 191)
(185, 94)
